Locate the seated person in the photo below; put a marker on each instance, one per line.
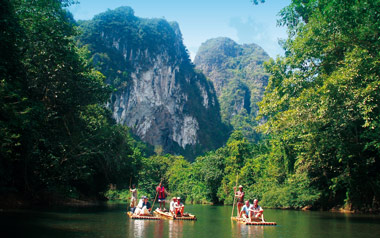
(143, 208)
(178, 207)
(172, 205)
(245, 211)
(140, 203)
(257, 211)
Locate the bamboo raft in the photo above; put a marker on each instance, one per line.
(168, 215)
(142, 217)
(254, 223)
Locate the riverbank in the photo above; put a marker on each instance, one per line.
(17, 201)
(336, 209)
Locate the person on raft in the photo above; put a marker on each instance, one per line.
(246, 211)
(144, 207)
(240, 198)
(179, 208)
(257, 211)
(161, 196)
(172, 205)
(133, 203)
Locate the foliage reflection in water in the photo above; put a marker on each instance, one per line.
(213, 221)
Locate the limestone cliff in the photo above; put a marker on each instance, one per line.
(157, 94)
(239, 78)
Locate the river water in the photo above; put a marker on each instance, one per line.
(213, 221)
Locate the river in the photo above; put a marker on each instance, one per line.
(213, 221)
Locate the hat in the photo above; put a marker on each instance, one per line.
(143, 197)
(240, 186)
(174, 198)
(178, 198)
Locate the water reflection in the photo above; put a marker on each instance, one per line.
(159, 229)
(175, 228)
(213, 222)
(139, 228)
(242, 230)
(255, 231)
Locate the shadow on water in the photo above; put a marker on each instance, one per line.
(32, 224)
(63, 222)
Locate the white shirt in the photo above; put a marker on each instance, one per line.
(255, 209)
(141, 202)
(172, 206)
(134, 193)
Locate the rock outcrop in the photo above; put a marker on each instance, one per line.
(157, 94)
(239, 79)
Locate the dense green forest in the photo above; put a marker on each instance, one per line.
(320, 111)
(321, 145)
(322, 102)
(57, 138)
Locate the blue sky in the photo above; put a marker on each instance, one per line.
(201, 20)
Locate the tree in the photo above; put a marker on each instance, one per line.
(322, 99)
(56, 135)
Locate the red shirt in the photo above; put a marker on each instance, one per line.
(161, 192)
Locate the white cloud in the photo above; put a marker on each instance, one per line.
(265, 34)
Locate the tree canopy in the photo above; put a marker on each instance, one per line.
(322, 99)
(56, 135)
(320, 114)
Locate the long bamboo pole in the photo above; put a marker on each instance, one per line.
(130, 184)
(233, 206)
(156, 196)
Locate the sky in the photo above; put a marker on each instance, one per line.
(200, 20)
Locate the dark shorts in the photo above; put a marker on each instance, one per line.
(161, 200)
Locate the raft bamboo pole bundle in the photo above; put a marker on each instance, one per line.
(170, 216)
(261, 223)
(193, 218)
(254, 223)
(165, 215)
(145, 218)
(142, 217)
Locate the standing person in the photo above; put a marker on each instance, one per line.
(179, 208)
(161, 196)
(240, 197)
(133, 203)
(143, 208)
(172, 205)
(257, 210)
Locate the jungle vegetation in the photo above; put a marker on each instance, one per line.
(321, 143)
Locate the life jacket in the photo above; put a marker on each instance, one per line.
(161, 192)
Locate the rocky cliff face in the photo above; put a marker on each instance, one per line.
(158, 93)
(239, 79)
